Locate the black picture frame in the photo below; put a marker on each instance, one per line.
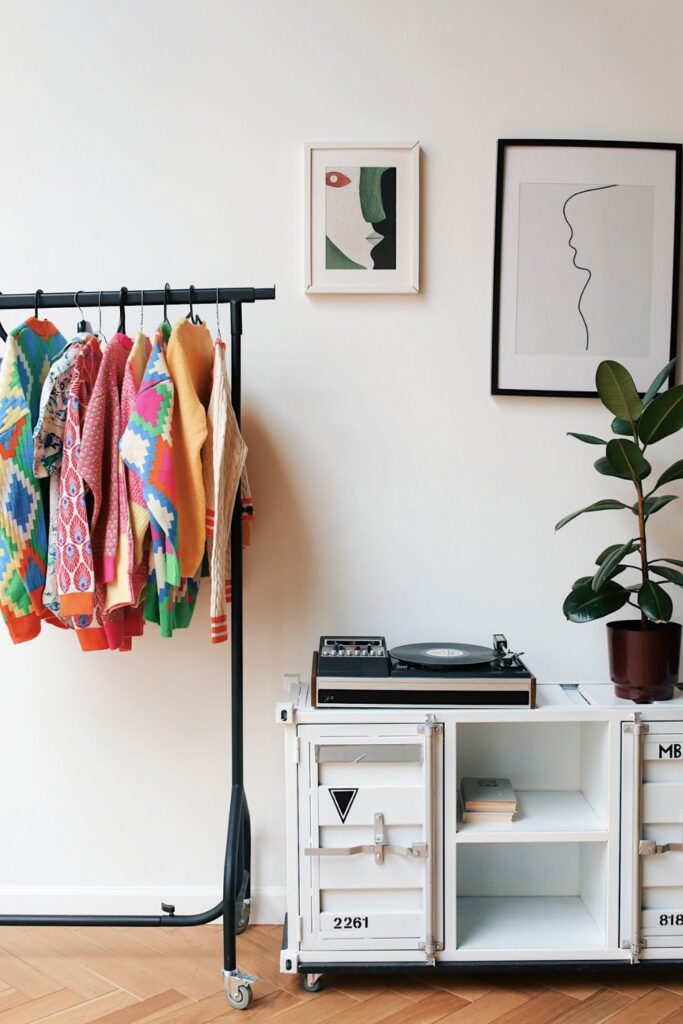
(503, 145)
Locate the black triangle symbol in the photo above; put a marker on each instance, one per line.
(343, 801)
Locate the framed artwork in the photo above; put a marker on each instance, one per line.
(362, 217)
(586, 263)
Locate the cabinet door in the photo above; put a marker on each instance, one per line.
(369, 799)
(652, 835)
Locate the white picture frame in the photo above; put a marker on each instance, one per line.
(335, 215)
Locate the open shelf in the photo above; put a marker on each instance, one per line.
(546, 897)
(526, 922)
(544, 815)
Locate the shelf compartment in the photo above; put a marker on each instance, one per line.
(559, 771)
(543, 815)
(549, 896)
(526, 922)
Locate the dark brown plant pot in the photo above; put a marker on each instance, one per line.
(644, 659)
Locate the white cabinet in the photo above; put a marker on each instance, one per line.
(383, 871)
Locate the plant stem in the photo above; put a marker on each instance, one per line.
(643, 541)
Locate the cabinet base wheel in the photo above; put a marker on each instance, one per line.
(240, 999)
(311, 982)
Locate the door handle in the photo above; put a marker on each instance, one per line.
(646, 847)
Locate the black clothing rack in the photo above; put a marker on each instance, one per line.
(236, 901)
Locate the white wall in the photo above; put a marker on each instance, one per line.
(146, 141)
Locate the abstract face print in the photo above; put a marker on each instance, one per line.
(360, 218)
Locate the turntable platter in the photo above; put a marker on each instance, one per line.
(444, 655)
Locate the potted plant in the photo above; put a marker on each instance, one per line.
(644, 653)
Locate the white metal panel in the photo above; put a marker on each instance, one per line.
(348, 776)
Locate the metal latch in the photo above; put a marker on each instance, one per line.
(647, 847)
(417, 851)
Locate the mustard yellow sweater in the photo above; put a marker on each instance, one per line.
(190, 359)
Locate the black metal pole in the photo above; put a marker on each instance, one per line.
(236, 564)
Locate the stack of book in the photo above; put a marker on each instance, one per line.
(490, 800)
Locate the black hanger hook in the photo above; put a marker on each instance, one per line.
(190, 315)
(167, 291)
(123, 294)
(39, 292)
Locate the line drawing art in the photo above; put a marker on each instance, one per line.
(595, 188)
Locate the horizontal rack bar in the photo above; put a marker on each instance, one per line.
(153, 297)
(114, 920)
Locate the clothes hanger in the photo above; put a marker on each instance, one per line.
(191, 315)
(100, 336)
(3, 332)
(142, 310)
(219, 336)
(167, 289)
(39, 292)
(83, 326)
(121, 329)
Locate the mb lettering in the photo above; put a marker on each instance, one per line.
(673, 750)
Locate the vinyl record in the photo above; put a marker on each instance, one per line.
(443, 655)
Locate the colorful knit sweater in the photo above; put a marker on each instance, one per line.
(75, 573)
(190, 363)
(223, 460)
(48, 441)
(31, 348)
(98, 462)
(147, 450)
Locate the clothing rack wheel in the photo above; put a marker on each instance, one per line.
(235, 906)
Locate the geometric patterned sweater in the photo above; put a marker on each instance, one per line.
(31, 348)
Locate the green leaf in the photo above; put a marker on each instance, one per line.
(655, 602)
(584, 605)
(654, 504)
(604, 467)
(663, 416)
(671, 561)
(598, 506)
(622, 427)
(626, 459)
(581, 582)
(611, 562)
(673, 575)
(586, 438)
(657, 383)
(674, 472)
(606, 553)
(617, 391)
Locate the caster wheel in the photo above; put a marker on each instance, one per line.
(243, 920)
(242, 998)
(311, 986)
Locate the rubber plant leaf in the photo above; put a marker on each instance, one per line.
(674, 472)
(654, 601)
(673, 575)
(657, 383)
(627, 461)
(617, 391)
(606, 553)
(585, 605)
(663, 416)
(622, 427)
(587, 438)
(653, 504)
(671, 561)
(611, 562)
(598, 506)
(581, 582)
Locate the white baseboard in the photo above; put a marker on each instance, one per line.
(268, 903)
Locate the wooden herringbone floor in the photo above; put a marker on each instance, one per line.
(130, 976)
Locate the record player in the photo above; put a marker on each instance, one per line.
(360, 671)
